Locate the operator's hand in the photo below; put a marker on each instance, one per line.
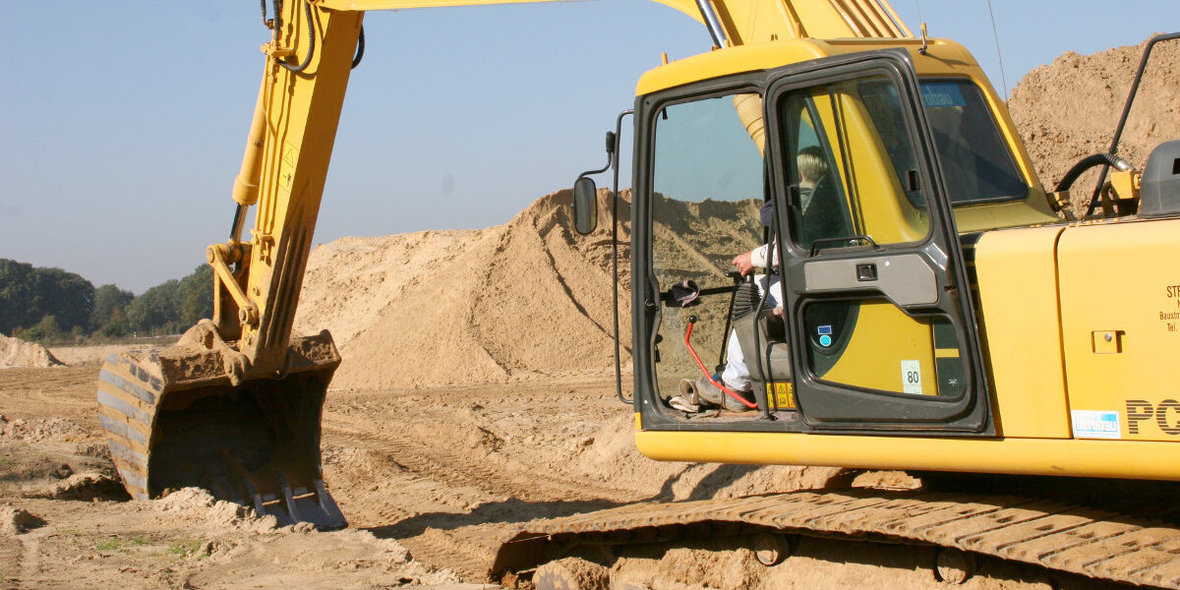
(743, 263)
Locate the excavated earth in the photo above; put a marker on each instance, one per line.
(476, 395)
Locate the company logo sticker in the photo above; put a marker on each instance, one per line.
(1095, 424)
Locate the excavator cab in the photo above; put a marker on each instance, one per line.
(860, 322)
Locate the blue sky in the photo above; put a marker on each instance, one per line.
(122, 124)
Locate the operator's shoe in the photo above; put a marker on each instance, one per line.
(706, 391)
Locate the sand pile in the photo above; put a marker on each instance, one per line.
(523, 299)
(195, 504)
(16, 353)
(1068, 110)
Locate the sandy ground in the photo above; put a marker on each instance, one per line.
(431, 481)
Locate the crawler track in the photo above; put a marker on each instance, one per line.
(1049, 534)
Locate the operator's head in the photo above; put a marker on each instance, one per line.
(812, 165)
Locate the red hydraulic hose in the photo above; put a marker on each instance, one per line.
(687, 336)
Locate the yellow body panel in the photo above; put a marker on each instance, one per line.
(1120, 324)
(1083, 458)
(1017, 280)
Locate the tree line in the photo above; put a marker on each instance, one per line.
(51, 305)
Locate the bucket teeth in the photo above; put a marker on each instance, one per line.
(173, 419)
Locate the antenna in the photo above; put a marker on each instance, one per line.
(996, 36)
(921, 49)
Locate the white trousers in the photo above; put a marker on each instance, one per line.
(736, 375)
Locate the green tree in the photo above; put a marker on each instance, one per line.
(28, 294)
(69, 298)
(195, 296)
(47, 330)
(154, 311)
(109, 300)
(15, 296)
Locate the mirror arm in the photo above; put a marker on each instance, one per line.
(614, 248)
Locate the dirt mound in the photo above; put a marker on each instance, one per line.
(90, 356)
(16, 353)
(15, 521)
(525, 299)
(79, 486)
(195, 504)
(37, 430)
(1068, 110)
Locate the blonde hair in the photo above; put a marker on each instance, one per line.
(811, 162)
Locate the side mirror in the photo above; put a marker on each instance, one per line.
(585, 205)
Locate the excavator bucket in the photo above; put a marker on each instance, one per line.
(174, 418)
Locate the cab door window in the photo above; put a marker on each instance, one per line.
(859, 198)
(708, 191)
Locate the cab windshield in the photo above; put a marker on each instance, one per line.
(976, 164)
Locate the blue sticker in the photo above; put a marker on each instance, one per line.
(942, 94)
(825, 340)
(824, 330)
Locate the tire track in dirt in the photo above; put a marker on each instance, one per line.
(11, 551)
(67, 392)
(453, 466)
(450, 479)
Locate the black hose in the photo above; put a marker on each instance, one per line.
(277, 21)
(310, 42)
(1102, 159)
(360, 49)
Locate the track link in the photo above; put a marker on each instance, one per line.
(1054, 535)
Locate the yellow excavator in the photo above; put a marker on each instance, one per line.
(914, 298)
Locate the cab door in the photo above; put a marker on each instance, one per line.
(876, 295)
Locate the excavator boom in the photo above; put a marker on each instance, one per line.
(742, 22)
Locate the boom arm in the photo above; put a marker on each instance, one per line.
(743, 21)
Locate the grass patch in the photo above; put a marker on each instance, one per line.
(183, 547)
(121, 544)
